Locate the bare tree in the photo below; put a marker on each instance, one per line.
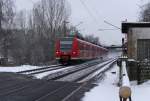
(18, 42)
(92, 39)
(145, 13)
(48, 20)
(6, 21)
(7, 13)
(51, 14)
(20, 20)
(30, 38)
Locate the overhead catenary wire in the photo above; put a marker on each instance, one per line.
(111, 24)
(97, 13)
(88, 11)
(106, 29)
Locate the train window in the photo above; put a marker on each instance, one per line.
(66, 43)
(65, 48)
(84, 46)
(67, 39)
(87, 47)
(91, 48)
(79, 45)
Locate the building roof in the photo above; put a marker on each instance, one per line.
(126, 25)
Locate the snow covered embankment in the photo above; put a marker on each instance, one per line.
(125, 90)
(18, 68)
(107, 89)
(125, 78)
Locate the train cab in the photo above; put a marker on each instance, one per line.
(74, 49)
(65, 49)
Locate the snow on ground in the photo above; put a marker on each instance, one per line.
(102, 93)
(41, 75)
(29, 67)
(108, 91)
(141, 92)
(113, 54)
(125, 79)
(18, 68)
(96, 73)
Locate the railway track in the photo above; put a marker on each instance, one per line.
(98, 73)
(83, 73)
(64, 75)
(70, 70)
(49, 90)
(76, 69)
(75, 89)
(41, 70)
(60, 72)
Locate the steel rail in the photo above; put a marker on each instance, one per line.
(74, 77)
(83, 84)
(86, 75)
(93, 74)
(39, 69)
(60, 74)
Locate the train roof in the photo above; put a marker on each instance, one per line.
(92, 44)
(82, 39)
(127, 25)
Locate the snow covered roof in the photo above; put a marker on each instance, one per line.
(126, 25)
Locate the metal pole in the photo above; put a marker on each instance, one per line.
(1, 16)
(138, 73)
(65, 28)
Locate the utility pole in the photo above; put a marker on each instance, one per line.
(3, 35)
(1, 16)
(65, 28)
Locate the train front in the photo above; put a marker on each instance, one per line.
(65, 49)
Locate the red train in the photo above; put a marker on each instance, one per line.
(73, 48)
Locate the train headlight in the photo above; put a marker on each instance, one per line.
(57, 52)
(74, 52)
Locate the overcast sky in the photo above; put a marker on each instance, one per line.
(94, 14)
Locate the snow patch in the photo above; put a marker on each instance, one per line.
(18, 68)
(125, 78)
(141, 92)
(102, 93)
(107, 89)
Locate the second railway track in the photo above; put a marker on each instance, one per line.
(83, 73)
(55, 67)
(90, 67)
(71, 73)
(41, 70)
(54, 90)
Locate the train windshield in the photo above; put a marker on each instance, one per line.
(66, 43)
